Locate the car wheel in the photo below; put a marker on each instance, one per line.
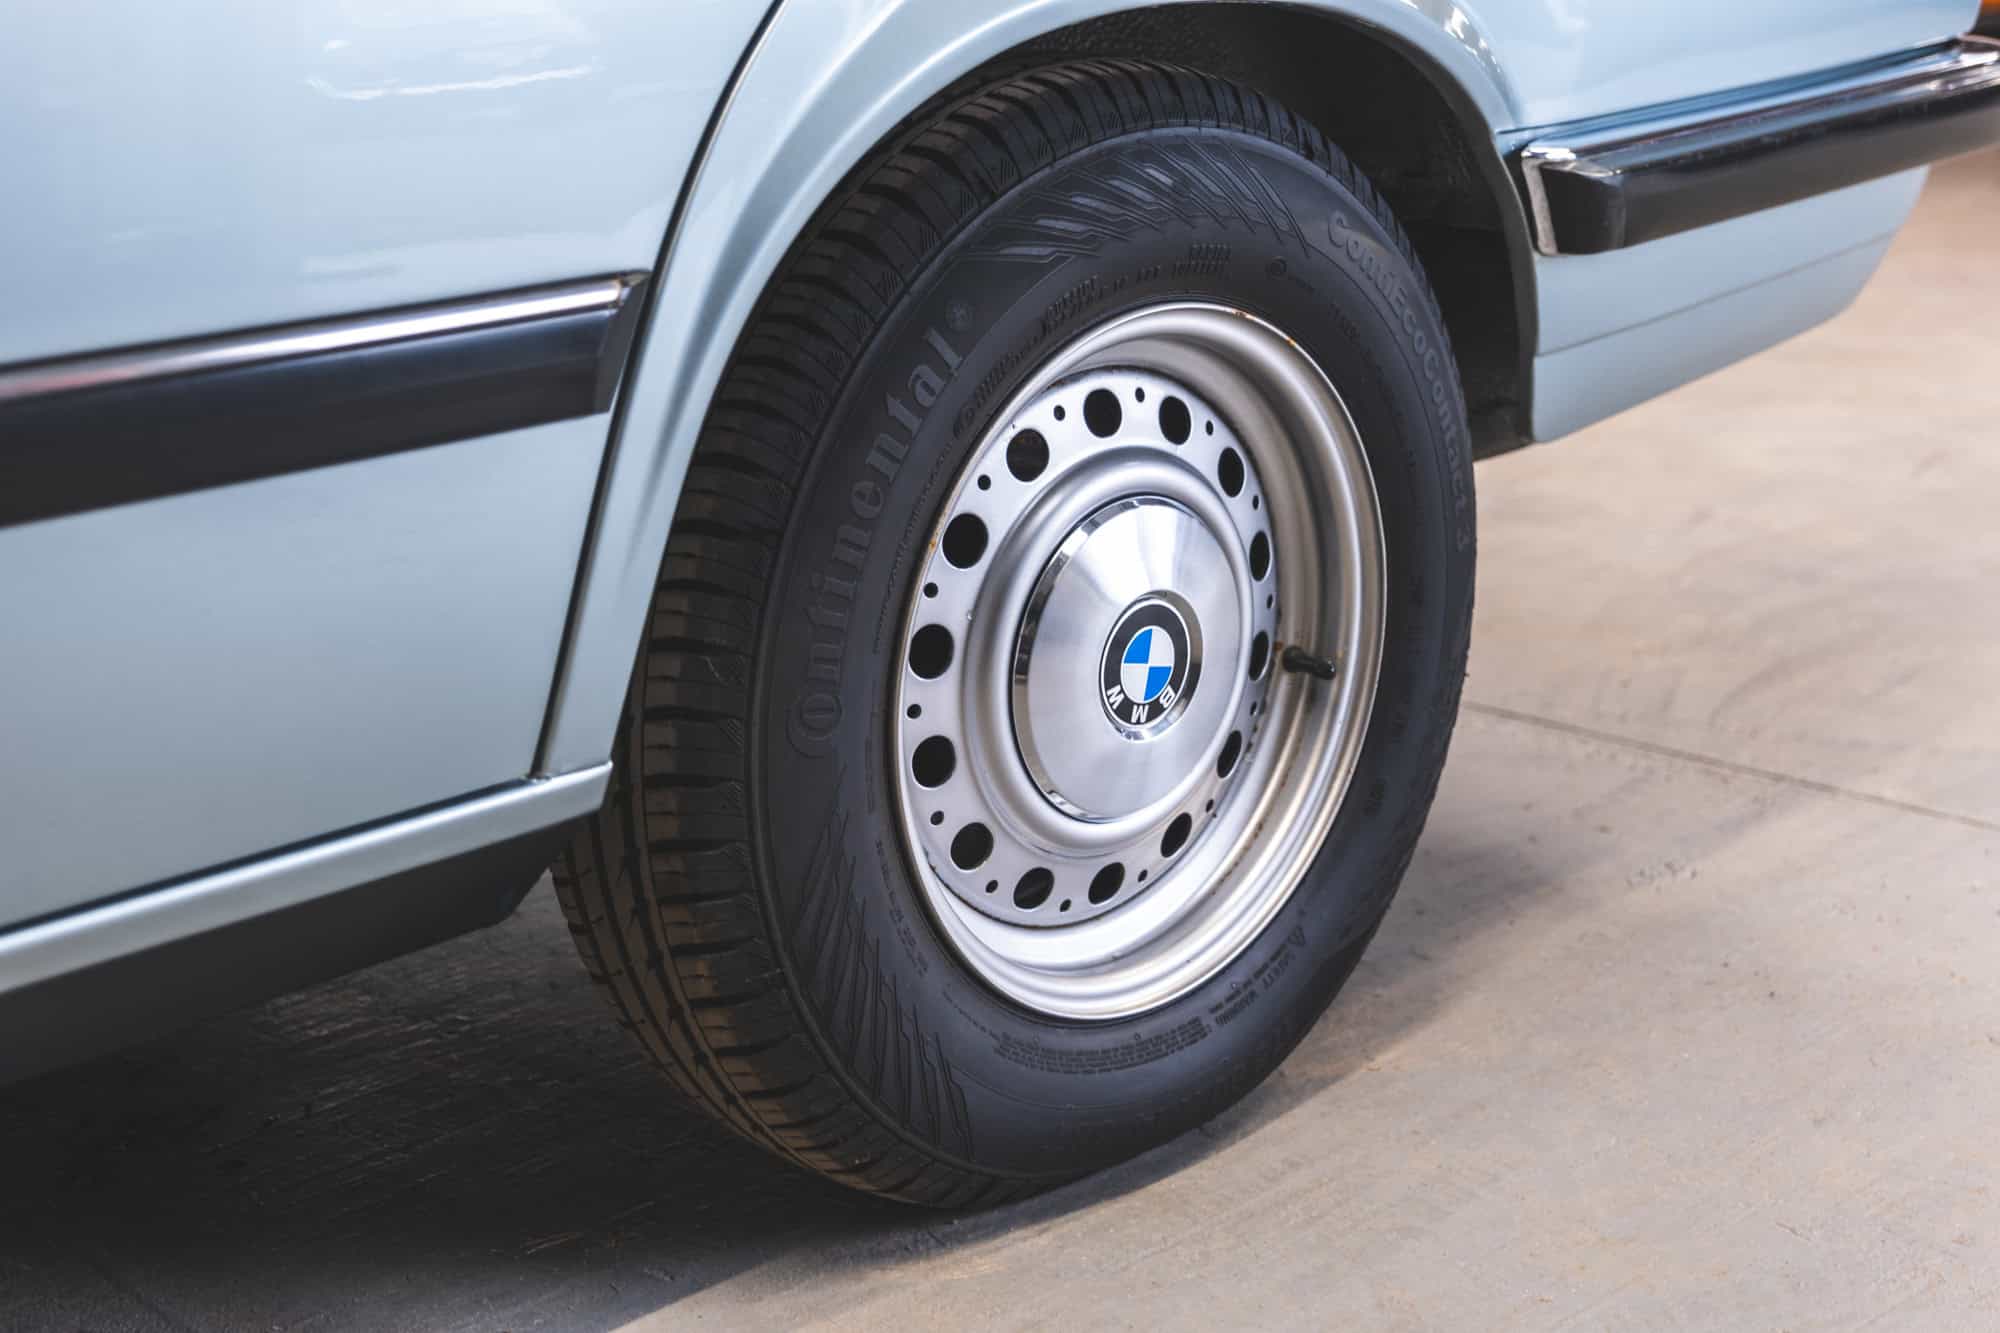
(1056, 648)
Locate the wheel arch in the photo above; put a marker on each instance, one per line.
(1409, 80)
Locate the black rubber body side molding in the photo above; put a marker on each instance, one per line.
(138, 424)
(1589, 194)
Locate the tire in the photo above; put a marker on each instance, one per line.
(750, 896)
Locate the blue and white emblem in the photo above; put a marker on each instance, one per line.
(1148, 664)
(1145, 671)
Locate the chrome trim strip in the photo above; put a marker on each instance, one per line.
(146, 919)
(1963, 65)
(158, 361)
(1534, 158)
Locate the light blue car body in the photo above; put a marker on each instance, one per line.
(218, 704)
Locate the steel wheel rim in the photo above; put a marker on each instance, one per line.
(1223, 829)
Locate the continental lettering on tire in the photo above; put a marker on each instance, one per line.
(816, 711)
(861, 1003)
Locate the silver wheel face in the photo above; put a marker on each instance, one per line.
(1107, 783)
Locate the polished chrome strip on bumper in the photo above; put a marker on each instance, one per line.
(347, 333)
(1690, 170)
(148, 918)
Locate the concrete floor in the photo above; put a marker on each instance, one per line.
(1687, 1016)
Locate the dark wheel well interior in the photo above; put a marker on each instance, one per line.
(1407, 129)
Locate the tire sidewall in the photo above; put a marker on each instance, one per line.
(931, 1047)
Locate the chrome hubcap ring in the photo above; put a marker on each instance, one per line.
(1106, 785)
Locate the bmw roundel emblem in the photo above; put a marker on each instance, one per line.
(1146, 673)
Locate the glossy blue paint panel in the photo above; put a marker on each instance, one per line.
(184, 168)
(1589, 296)
(192, 680)
(1593, 380)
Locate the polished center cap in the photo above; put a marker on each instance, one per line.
(1111, 712)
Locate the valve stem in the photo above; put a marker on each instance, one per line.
(1295, 658)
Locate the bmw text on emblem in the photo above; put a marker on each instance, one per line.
(1148, 669)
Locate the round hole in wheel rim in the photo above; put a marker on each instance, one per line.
(933, 762)
(964, 541)
(1232, 750)
(1033, 888)
(970, 846)
(1102, 413)
(931, 651)
(1229, 471)
(1104, 885)
(1027, 455)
